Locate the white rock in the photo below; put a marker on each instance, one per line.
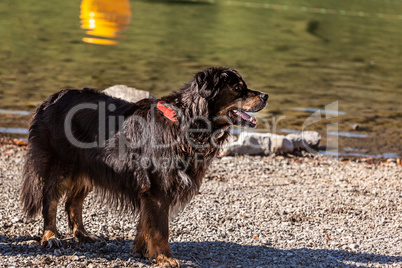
(127, 93)
(259, 144)
(305, 140)
(280, 144)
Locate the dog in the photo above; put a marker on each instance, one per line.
(147, 157)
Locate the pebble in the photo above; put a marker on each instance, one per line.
(391, 160)
(16, 219)
(353, 246)
(355, 126)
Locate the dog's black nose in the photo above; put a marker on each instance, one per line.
(264, 97)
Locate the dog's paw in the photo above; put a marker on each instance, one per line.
(139, 249)
(50, 240)
(163, 261)
(138, 255)
(52, 243)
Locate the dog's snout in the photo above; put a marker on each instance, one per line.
(264, 97)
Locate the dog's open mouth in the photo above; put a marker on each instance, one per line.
(241, 118)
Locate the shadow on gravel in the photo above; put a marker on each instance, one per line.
(203, 254)
(231, 254)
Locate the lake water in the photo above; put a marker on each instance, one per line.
(307, 54)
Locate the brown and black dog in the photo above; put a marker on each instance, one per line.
(148, 157)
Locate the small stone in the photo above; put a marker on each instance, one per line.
(353, 246)
(355, 126)
(57, 252)
(391, 160)
(16, 219)
(32, 245)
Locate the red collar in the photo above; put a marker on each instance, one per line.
(167, 111)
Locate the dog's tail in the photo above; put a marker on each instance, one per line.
(31, 192)
(35, 164)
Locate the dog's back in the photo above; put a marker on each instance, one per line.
(52, 158)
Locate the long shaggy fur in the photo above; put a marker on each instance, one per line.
(55, 167)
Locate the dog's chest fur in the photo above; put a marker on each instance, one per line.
(161, 155)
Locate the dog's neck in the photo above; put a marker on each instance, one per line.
(194, 113)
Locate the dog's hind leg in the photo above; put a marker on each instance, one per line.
(76, 194)
(51, 196)
(153, 232)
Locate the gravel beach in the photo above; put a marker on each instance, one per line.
(251, 212)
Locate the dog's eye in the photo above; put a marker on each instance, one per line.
(238, 88)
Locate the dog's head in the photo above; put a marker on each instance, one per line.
(228, 97)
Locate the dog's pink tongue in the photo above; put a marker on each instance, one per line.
(245, 116)
(248, 117)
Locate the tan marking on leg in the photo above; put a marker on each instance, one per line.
(153, 231)
(77, 192)
(50, 232)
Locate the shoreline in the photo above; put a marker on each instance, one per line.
(359, 158)
(256, 211)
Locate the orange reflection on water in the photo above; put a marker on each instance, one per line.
(105, 19)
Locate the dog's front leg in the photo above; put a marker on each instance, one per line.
(153, 232)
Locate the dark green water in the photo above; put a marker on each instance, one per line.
(303, 53)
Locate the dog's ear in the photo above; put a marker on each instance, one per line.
(202, 84)
(209, 82)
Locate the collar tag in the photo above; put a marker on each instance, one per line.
(167, 111)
